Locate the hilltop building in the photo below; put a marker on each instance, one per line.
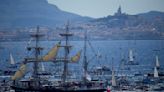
(119, 12)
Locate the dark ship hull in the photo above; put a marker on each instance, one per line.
(152, 75)
(132, 63)
(52, 89)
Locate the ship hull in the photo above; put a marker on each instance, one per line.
(50, 89)
(152, 75)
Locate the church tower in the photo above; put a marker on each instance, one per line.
(119, 11)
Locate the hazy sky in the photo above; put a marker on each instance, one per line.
(101, 8)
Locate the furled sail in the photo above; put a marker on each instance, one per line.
(20, 73)
(131, 55)
(155, 72)
(52, 53)
(76, 57)
(157, 62)
(12, 59)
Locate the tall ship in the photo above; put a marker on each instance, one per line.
(35, 82)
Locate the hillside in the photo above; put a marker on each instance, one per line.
(27, 13)
(19, 18)
(148, 25)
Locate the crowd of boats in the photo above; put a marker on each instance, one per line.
(98, 79)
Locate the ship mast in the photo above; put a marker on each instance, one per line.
(37, 52)
(66, 48)
(85, 57)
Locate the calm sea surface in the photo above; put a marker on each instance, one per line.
(99, 53)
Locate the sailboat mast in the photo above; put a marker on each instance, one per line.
(66, 47)
(66, 56)
(85, 57)
(36, 54)
(122, 63)
(113, 74)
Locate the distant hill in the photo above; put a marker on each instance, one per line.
(24, 13)
(152, 15)
(148, 25)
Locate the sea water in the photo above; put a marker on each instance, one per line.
(99, 53)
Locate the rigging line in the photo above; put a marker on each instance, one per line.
(96, 54)
(93, 50)
(88, 61)
(89, 43)
(91, 58)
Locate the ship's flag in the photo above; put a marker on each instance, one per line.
(20, 73)
(52, 53)
(76, 57)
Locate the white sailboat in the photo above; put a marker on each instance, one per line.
(157, 62)
(113, 78)
(88, 77)
(156, 72)
(10, 70)
(12, 62)
(131, 58)
(42, 67)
